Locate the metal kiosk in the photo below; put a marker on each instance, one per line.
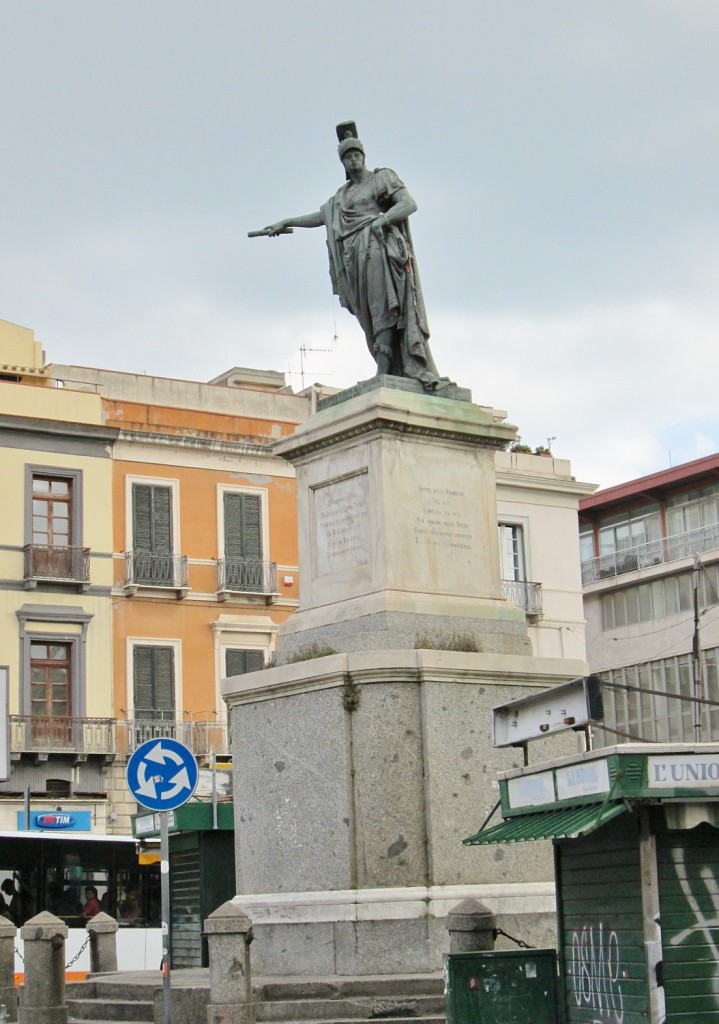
(636, 839)
(201, 851)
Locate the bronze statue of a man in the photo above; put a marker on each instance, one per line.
(372, 264)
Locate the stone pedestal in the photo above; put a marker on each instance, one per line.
(8, 992)
(43, 995)
(102, 930)
(471, 927)
(229, 935)
(397, 518)
(359, 773)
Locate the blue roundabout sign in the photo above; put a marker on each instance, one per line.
(162, 774)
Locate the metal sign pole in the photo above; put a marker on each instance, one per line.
(165, 909)
(162, 775)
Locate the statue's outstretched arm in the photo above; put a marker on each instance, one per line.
(283, 227)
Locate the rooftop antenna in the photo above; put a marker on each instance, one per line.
(304, 349)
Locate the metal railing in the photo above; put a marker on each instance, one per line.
(35, 734)
(155, 569)
(653, 552)
(61, 734)
(246, 576)
(527, 596)
(201, 737)
(46, 562)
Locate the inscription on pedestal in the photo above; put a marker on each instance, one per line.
(342, 525)
(441, 520)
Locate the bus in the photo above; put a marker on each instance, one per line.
(52, 870)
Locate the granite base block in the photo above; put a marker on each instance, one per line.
(386, 631)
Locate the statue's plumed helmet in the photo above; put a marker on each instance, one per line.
(348, 144)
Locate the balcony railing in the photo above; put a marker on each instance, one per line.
(61, 735)
(246, 576)
(66, 565)
(201, 737)
(654, 552)
(155, 569)
(34, 734)
(527, 596)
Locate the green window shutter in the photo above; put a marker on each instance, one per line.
(141, 517)
(142, 679)
(238, 662)
(151, 518)
(243, 525)
(153, 681)
(164, 678)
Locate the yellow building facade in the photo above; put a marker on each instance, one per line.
(177, 567)
(56, 571)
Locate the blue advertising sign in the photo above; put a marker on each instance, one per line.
(51, 821)
(162, 774)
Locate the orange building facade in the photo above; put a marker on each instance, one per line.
(204, 559)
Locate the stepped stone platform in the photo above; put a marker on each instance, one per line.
(136, 996)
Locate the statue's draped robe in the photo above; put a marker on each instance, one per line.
(376, 279)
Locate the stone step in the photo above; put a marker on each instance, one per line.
(336, 988)
(369, 1020)
(126, 1009)
(386, 1007)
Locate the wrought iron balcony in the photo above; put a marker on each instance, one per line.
(246, 576)
(61, 735)
(527, 596)
(202, 738)
(653, 552)
(56, 564)
(155, 569)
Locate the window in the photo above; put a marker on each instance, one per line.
(666, 715)
(693, 522)
(670, 595)
(153, 682)
(243, 567)
(631, 539)
(152, 547)
(50, 680)
(511, 552)
(51, 693)
(238, 662)
(53, 641)
(51, 511)
(53, 526)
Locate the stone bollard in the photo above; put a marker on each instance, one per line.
(43, 995)
(229, 934)
(471, 927)
(8, 992)
(102, 930)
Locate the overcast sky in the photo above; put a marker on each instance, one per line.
(564, 155)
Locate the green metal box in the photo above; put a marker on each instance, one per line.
(502, 987)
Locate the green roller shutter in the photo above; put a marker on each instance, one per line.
(185, 911)
(688, 869)
(238, 662)
(601, 926)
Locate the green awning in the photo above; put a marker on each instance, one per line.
(568, 822)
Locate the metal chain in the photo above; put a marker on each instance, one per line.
(77, 955)
(519, 942)
(81, 950)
